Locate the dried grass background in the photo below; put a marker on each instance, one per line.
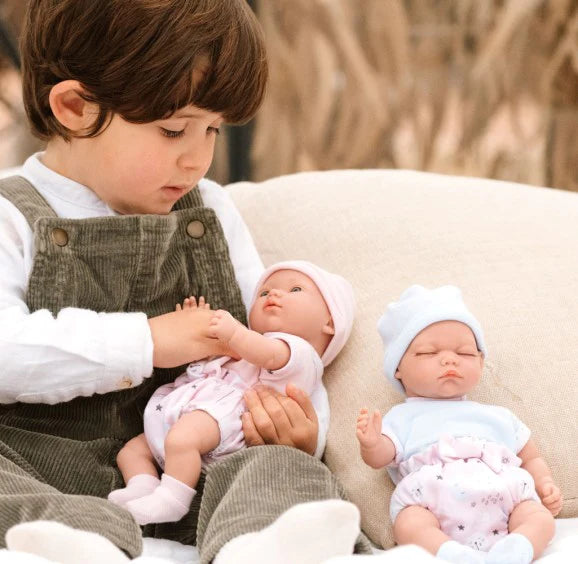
(476, 87)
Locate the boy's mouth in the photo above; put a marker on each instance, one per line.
(175, 191)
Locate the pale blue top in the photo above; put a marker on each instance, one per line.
(418, 423)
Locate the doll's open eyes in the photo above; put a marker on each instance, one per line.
(296, 289)
(263, 293)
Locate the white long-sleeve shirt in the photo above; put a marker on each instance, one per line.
(47, 359)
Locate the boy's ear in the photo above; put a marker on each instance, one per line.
(328, 328)
(68, 106)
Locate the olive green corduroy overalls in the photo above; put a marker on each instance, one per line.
(57, 462)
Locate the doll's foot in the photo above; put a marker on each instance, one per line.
(60, 543)
(138, 486)
(512, 549)
(169, 502)
(307, 533)
(453, 551)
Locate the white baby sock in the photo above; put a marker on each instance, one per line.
(512, 549)
(63, 544)
(453, 551)
(307, 533)
(138, 486)
(167, 503)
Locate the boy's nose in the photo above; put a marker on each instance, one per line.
(197, 157)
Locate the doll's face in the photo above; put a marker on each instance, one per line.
(290, 302)
(442, 362)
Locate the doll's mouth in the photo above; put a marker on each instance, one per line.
(450, 374)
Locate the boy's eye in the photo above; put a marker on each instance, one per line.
(263, 293)
(214, 130)
(296, 289)
(171, 133)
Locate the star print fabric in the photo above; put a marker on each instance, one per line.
(470, 485)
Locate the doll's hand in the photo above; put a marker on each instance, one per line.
(550, 495)
(368, 430)
(223, 325)
(191, 303)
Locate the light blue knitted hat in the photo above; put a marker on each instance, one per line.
(416, 309)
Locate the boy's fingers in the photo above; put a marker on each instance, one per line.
(264, 426)
(252, 437)
(303, 400)
(272, 403)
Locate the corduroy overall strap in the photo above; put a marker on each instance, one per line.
(26, 198)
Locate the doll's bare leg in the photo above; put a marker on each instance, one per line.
(137, 466)
(136, 458)
(417, 525)
(194, 434)
(531, 528)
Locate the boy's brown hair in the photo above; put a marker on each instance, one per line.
(136, 58)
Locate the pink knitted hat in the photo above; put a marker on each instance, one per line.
(337, 293)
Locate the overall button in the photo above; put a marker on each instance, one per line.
(125, 383)
(196, 229)
(60, 237)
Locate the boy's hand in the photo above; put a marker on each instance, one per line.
(183, 336)
(275, 419)
(550, 495)
(223, 325)
(368, 430)
(191, 303)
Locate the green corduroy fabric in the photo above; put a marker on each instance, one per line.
(144, 263)
(251, 488)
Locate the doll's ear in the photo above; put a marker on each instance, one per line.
(328, 328)
(69, 107)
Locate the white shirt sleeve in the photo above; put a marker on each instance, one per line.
(47, 359)
(320, 402)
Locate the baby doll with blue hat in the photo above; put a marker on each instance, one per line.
(470, 484)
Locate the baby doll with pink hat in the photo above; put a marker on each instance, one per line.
(300, 319)
(470, 484)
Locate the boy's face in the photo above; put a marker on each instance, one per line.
(442, 362)
(290, 302)
(146, 168)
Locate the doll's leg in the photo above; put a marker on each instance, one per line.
(531, 528)
(417, 525)
(194, 434)
(136, 463)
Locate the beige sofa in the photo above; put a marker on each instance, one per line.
(513, 249)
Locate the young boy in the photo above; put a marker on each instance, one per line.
(101, 235)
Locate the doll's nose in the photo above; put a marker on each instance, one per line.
(449, 358)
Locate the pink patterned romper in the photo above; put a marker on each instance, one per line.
(217, 386)
(457, 459)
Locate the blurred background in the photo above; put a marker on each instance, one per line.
(471, 87)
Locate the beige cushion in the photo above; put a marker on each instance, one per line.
(513, 249)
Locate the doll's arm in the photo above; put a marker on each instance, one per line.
(267, 353)
(376, 449)
(545, 487)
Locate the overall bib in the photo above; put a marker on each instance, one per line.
(57, 462)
